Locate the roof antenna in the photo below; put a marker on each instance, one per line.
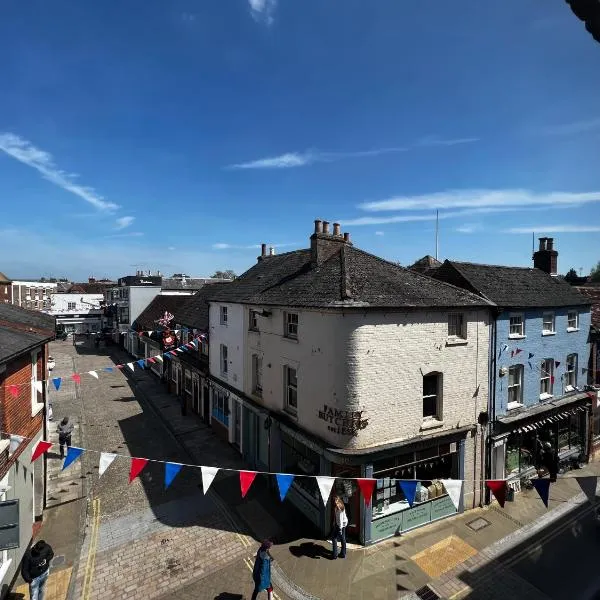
(437, 222)
(532, 245)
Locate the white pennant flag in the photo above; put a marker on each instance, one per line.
(208, 475)
(159, 358)
(454, 487)
(93, 374)
(106, 459)
(150, 333)
(325, 486)
(39, 387)
(130, 365)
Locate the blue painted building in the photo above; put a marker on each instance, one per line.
(539, 410)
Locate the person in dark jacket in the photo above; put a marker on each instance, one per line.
(65, 429)
(261, 574)
(35, 568)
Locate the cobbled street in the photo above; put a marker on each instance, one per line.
(139, 540)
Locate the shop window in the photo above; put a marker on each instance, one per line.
(517, 325)
(456, 326)
(547, 378)
(548, 323)
(291, 389)
(220, 409)
(571, 371)
(515, 385)
(432, 388)
(257, 375)
(204, 345)
(291, 325)
(224, 363)
(572, 320)
(297, 459)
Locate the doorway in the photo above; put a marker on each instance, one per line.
(347, 489)
(206, 405)
(237, 425)
(196, 395)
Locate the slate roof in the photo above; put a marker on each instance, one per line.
(195, 311)
(22, 329)
(593, 294)
(156, 309)
(188, 283)
(27, 318)
(14, 342)
(517, 287)
(350, 278)
(425, 263)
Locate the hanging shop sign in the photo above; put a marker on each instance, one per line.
(343, 422)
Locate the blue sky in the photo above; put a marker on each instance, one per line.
(180, 135)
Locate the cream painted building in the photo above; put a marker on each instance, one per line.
(345, 364)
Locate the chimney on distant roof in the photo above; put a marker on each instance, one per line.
(336, 229)
(546, 258)
(326, 228)
(346, 237)
(263, 252)
(318, 226)
(323, 245)
(271, 251)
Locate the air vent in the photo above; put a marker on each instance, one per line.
(426, 593)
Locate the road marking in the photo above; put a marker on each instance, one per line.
(248, 563)
(91, 558)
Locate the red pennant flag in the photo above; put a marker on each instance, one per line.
(137, 466)
(518, 350)
(120, 366)
(150, 360)
(14, 390)
(40, 449)
(76, 377)
(246, 479)
(173, 352)
(552, 379)
(366, 487)
(512, 353)
(498, 488)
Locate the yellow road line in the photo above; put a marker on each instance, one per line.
(251, 569)
(91, 558)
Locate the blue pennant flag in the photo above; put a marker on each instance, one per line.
(171, 470)
(73, 454)
(542, 487)
(57, 381)
(141, 362)
(409, 487)
(167, 355)
(531, 355)
(108, 369)
(284, 482)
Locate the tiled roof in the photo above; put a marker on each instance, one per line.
(23, 318)
(14, 342)
(348, 278)
(187, 283)
(157, 308)
(22, 329)
(195, 311)
(425, 263)
(592, 292)
(511, 286)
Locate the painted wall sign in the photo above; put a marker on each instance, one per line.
(343, 422)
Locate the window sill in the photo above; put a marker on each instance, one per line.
(36, 408)
(291, 412)
(544, 333)
(456, 341)
(290, 339)
(250, 330)
(513, 405)
(223, 375)
(546, 396)
(516, 336)
(572, 329)
(428, 424)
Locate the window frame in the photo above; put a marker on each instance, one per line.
(223, 359)
(510, 325)
(571, 374)
(223, 315)
(551, 320)
(290, 387)
(520, 370)
(549, 376)
(289, 325)
(36, 405)
(462, 326)
(576, 313)
(71, 305)
(437, 416)
(253, 320)
(257, 388)
(187, 379)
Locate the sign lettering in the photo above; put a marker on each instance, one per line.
(343, 422)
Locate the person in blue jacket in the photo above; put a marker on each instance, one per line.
(261, 574)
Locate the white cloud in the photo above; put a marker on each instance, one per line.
(171, 248)
(123, 222)
(262, 10)
(468, 228)
(379, 233)
(284, 161)
(554, 229)
(225, 246)
(480, 199)
(221, 246)
(26, 153)
(572, 128)
(433, 140)
(125, 235)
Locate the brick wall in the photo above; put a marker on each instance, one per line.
(5, 293)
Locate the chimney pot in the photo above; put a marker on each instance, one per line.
(336, 229)
(326, 227)
(318, 226)
(346, 236)
(271, 251)
(550, 243)
(263, 249)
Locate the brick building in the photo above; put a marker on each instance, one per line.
(24, 337)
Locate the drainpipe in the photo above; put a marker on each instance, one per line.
(492, 409)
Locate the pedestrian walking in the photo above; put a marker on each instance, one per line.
(35, 568)
(261, 574)
(65, 429)
(339, 528)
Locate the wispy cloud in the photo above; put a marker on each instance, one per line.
(262, 10)
(26, 153)
(380, 233)
(468, 228)
(433, 140)
(125, 235)
(480, 199)
(554, 229)
(226, 246)
(572, 128)
(123, 222)
(171, 248)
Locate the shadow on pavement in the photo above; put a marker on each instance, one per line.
(228, 596)
(311, 550)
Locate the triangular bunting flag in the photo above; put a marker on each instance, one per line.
(208, 476)
(325, 486)
(454, 488)
(366, 487)
(40, 448)
(73, 454)
(498, 488)
(531, 355)
(150, 360)
(14, 390)
(93, 374)
(57, 381)
(518, 351)
(130, 365)
(150, 332)
(557, 364)
(173, 353)
(588, 486)
(108, 369)
(542, 487)
(76, 377)
(177, 331)
(159, 358)
(141, 363)
(409, 487)
(552, 379)
(39, 387)
(246, 479)
(167, 355)
(106, 459)
(137, 466)
(284, 482)
(171, 470)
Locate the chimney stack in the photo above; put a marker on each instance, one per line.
(346, 237)
(271, 251)
(323, 245)
(546, 258)
(326, 227)
(336, 229)
(318, 226)
(263, 249)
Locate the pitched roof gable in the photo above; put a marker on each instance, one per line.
(146, 320)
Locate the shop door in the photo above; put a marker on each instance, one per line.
(350, 494)
(237, 424)
(196, 395)
(206, 405)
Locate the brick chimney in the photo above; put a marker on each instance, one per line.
(323, 244)
(546, 258)
(263, 252)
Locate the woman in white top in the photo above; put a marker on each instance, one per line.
(339, 527)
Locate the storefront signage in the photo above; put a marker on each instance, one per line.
(386, 527)
(416, 516)
(442, 507)
(343, 422)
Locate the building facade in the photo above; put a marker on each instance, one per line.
(77, 312)
(33, 295)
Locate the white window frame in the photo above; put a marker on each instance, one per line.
(457, 326)
(223, 315)
(71, 305)
(253, 324)
(290, 389)
(257, 374)
(548, 323)
(36, 405)
(570, 378)
(517, 399)
(437, 416)
(516, 334)
(573, 315)
(546, 375)
(223, 359)
(290, 324)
